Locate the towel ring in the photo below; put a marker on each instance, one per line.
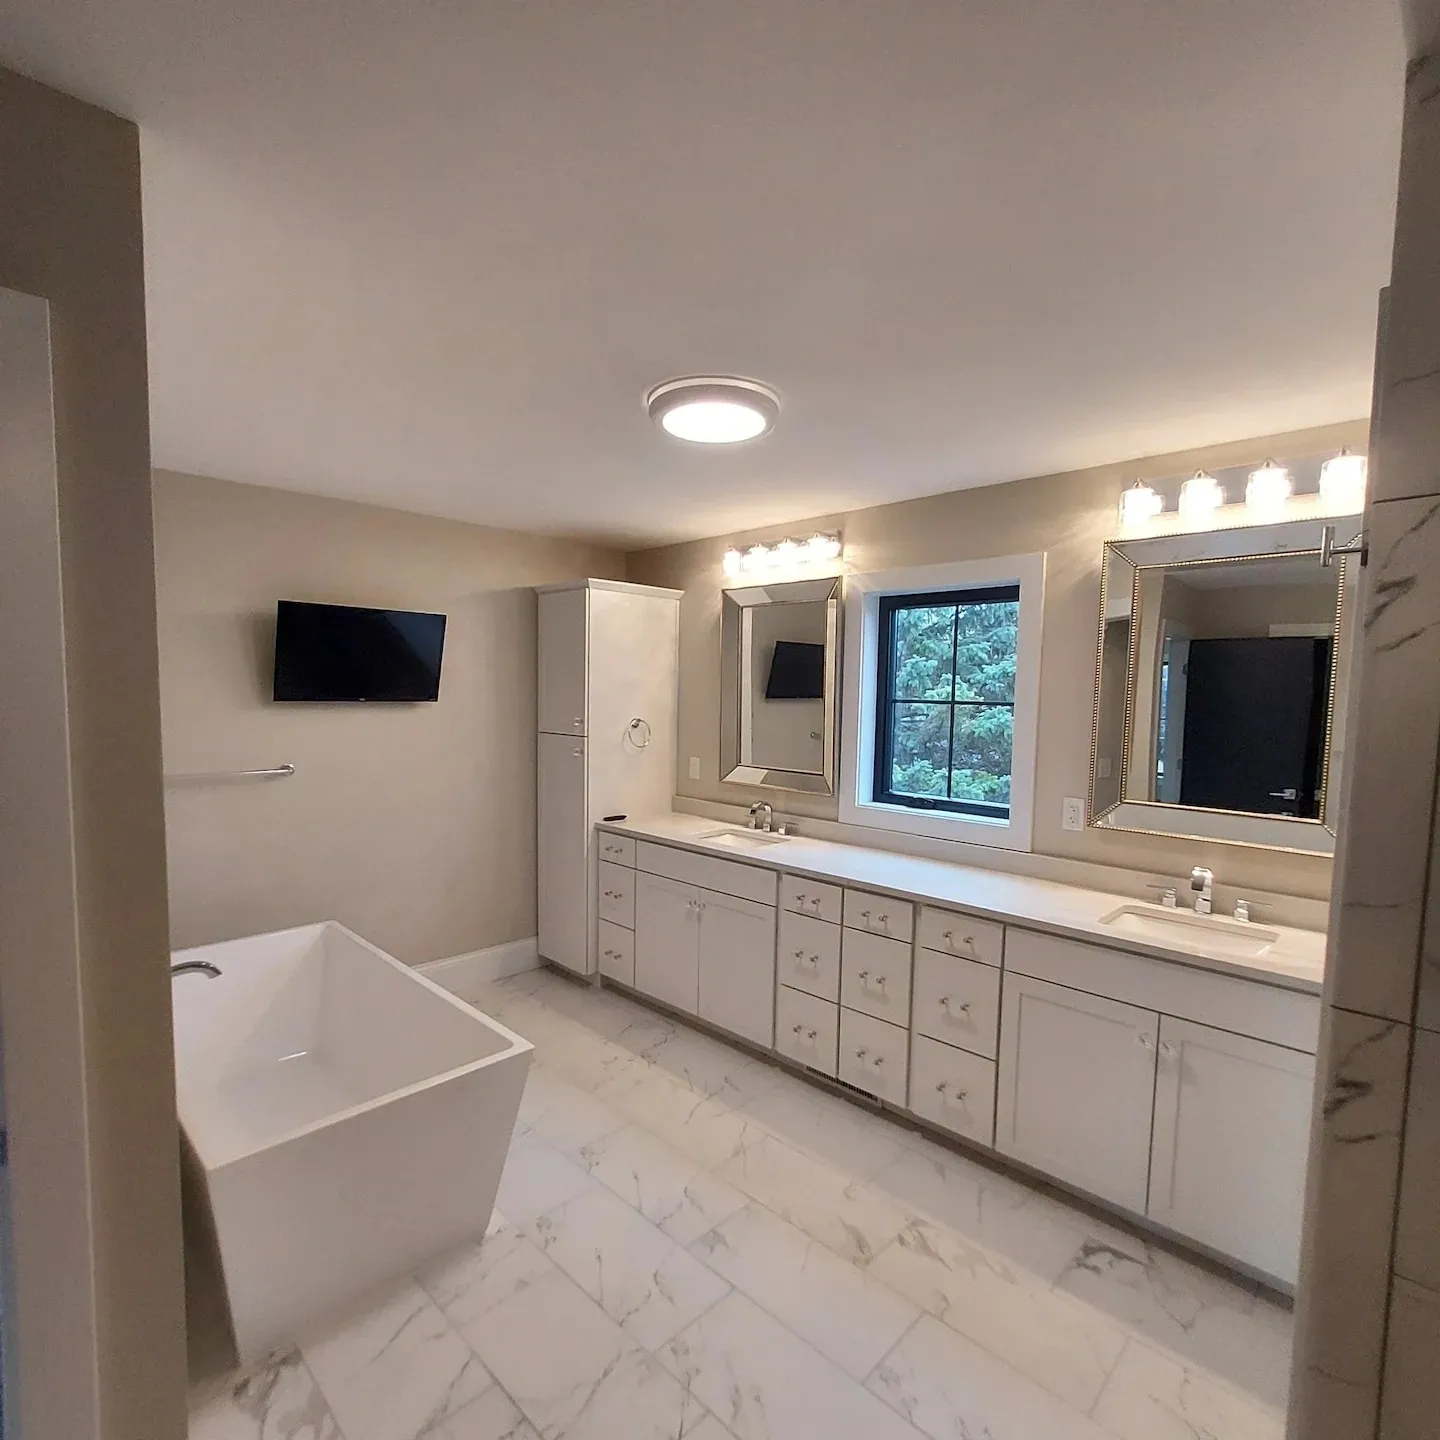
(639, 728)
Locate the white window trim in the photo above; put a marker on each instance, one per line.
(862, 628)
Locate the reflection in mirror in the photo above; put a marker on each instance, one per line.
(778, 694)
(1221, 674)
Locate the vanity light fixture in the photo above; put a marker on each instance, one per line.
(713, 409)
(1268, 489)
(1200, 496)
(1139, 503)
(1342, 480)
(784, 555)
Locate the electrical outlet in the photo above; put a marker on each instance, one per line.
(694, 767)
(1073, 816)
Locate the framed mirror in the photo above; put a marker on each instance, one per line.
(779, 647)
(1222, 670)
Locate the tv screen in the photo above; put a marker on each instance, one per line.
(797, 671)
(346, 652)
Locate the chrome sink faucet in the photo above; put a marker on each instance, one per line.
(1202, 882)
(195, 967)
(769, 813)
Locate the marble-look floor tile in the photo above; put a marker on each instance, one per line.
(494, 1416)
(951, 1389)
(1029, 1228)
(708, 1131)
(574, 1372)
(641, 1278)
(1153, 1396)
(843, 1312)
(854, 1140)
(562, 1114)
(838, 1210)
(1354, 1174)
(710, 1068)
(668, 1188)
(473, 1280)
(537, 1178)
(278, 1402)
(397, 1370)
(1060, 1343)
(709, 1428)
(1202, 1318)
(764, 1383)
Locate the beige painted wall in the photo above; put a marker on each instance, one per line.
(70, 232)
(1068, 516)
(414, 825)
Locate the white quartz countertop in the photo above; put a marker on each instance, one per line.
(1295, 961)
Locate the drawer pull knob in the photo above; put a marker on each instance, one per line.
(814, 902)
(811, 1034)
(968, 941)
(962, 1008)
(864, 914)
(861, 1054)
(883, 919)
(879, 1061)
(795, 1029)
(880, 981)
(864, 977)
(943, 1090)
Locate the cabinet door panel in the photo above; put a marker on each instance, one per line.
(1077, 1087)
(1232, 1131)
(563, 836)
(563, 647)
(737, 966)
(667, 940)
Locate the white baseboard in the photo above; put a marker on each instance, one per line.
(462, 975)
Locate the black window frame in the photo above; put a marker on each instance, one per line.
(886, 700)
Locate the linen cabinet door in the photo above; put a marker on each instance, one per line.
(737, 966)
(1232, 1133)
(667, 940)
(564, 643)
(1077, 1087)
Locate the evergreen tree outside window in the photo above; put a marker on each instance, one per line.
(945, 712)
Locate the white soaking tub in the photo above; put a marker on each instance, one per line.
(352, 1119)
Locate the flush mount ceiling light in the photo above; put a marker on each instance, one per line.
(713, 409)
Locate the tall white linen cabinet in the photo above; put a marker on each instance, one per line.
(608, 674)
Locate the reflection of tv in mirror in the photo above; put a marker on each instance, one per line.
(797, 671)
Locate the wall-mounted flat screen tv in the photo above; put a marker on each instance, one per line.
(335, 653)
(797, 671)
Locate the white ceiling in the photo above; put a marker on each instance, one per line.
(432, 255)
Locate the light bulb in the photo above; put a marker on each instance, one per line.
(753, 558)
(1200, 495)
(733, 562)
(1268, 489)
(1342, 481)
(1139, 503)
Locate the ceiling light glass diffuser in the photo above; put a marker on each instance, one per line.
(1268, 489)
(1200, 496)
(1342, 481)
(713, 409)
(1139, 504)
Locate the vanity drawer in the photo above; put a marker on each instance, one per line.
(879, 914)
(953, 1089)
(873, 1056)
(1224, 1002)
(617, 894)
(617, 953)
(745, 882)
(808, 955)
(957, 1001)
(807, 1029)
(875, 976)
(618, 849)
(953, 933)
(811, 897)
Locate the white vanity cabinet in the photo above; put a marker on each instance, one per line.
(1232, 1129)
(1077, 1087)
(706, 952)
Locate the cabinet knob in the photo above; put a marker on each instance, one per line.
(796, 1029)
(960, 1009)
(577, 752)
(878, 1061)
(883, 919)
(864, 914)
(880, 981)
(811, 1034)
(861, 1054)
(943, 1090)
(814, 902)
(1144, 1040)
(1168, 1050)
(577, 722)
(864, 977)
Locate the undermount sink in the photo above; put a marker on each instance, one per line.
(734, 839)
(1213, 933)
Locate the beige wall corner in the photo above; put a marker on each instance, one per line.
(412, 824)
(70, 234)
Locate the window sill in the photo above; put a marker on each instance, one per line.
(937, 824)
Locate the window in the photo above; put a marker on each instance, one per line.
(942, 700)
(945, 700)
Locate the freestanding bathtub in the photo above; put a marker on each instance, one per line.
(351, 1117)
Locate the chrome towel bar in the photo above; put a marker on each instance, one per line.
(274, 772)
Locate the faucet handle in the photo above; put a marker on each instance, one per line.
(1169, 893)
